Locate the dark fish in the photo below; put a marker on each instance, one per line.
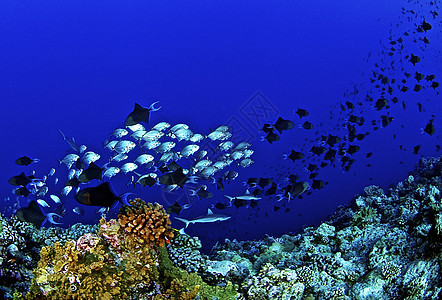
(332, 140)
(353, 149)
(220, 184)
(253, 204)
(257, 192)
(381, 103)
(252, 181)
(426, 40)
(268, 128)
(434, 84)
(416, 149)
(386, 120)
(272, 137)
(318, 150)
(140, 114)
(35, 215)
(395, 100)
(239, 203)
(297, 188)
(276, 208)
(271, 190)
(21, 179)
(430, 77)
(302, 112)
(426, 26)
(293, 178)
(263, 182)
(80, 165)
(417, 88)
(330, 155)
(176, 177)
(317, 184)
(404, 106)
(312, 167)
(369, 154)
(313, 175)
(419, 76)
(354, 119)
(282, 125)
(101, 195)
(92, 172)
(204, 193)
(307, 125)
(147, 181)
(419, 106)
(429, 128)
(23, 191)
(295, 155)
(414, 59)
(174, 208)
(73, 182)
(220, 205)
(350, 105)
(323, 165)
(25, 161)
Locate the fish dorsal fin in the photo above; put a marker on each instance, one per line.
(247, 192)
(209, 211)
(137, 106)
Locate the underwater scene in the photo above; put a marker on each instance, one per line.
(221, 150)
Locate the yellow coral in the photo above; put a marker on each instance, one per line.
(149, 222)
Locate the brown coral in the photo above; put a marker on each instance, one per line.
(148, 222)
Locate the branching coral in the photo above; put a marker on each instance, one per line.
(149, 223)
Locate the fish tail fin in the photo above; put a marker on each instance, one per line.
(181, 231)
(35, 160)
(50, 217)
(186, 222)
(62, 134)
(123, 198)
(229, 197)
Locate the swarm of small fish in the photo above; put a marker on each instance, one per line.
(167, 155)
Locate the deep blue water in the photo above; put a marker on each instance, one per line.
(80, 66)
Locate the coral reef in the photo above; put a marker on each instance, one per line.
(148, 222)
(383, 245)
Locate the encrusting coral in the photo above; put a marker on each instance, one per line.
(146, 221)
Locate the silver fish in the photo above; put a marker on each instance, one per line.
(119, 157)
(110, 145)
(222, 128)
(144, 159)
(161, 126)
(202, 164)
(247, 153)
(128, 167)
(138, 135)
(42, 203)
(78, 210)
(90, 156)
(242, 146)
(66, 190)
(136, 127)
(200, 155)
(71, 174)
(153, 135)
(235, 155)
(51, 172)
(70, 159)
(55, 198)
(71, 142)
(246, 162)
(189, 150)
(208, 171)
(124, 146)
(167, 157)
(82, 148)
(197, 137)
(165, 147)
(119, 133)
(149, 145)
(178, 127)
(182, 134)
(110, 172)
(225, 146)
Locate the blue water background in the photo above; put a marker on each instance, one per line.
(80, 66)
